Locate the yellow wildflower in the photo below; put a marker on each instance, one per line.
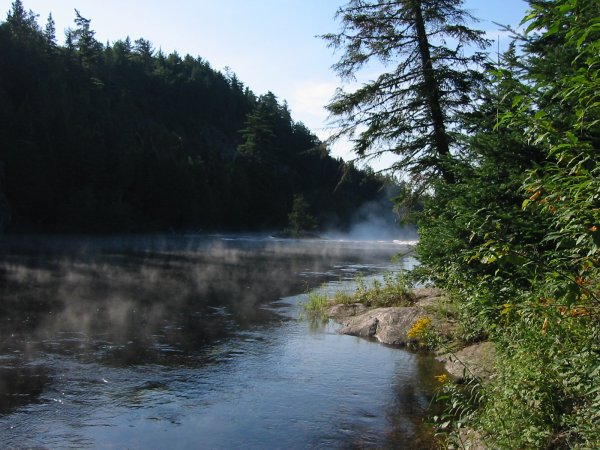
(578, 311)
(419, 327)
(442, 379)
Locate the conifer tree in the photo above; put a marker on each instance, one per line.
(21, 22)
(83, 39)
(411, 108)
(301, 222)
(50, 31)
(17, 15)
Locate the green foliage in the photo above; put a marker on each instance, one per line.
(461, 403)
(548, 391)
(316, 302)
(394, 291)
(316, 306)
(300, 221)
(515, 238)
(543, 394)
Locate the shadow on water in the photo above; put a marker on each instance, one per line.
(414, 400)
(20, 386)
(145, 297)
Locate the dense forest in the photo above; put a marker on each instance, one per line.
(506, 158)
(119, 138)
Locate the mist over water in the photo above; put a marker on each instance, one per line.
(376, 221)
(194, 341)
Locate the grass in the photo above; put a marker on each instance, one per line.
(316, 303)
(393, 291)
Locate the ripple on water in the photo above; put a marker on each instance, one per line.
(215, 367)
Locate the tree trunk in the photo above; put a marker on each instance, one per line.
(432, 93)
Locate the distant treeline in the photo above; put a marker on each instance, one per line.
(118, 137)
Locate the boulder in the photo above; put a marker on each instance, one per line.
(431, 292)
(387, 325)
(427, 297)
(474, 361)
(344, 311)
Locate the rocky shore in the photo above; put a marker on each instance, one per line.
(396, 326)
(392, 325)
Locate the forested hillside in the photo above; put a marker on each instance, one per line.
(119, 137)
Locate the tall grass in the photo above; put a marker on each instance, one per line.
(395, 290)
(316, 303)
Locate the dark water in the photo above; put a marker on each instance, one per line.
(196, 342)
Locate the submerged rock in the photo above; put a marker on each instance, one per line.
(387, 325)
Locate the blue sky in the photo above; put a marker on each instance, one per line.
(270, 44)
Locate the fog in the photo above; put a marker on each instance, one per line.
(376, 221)
(142, 299)
(143, 341)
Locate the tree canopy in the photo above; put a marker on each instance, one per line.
(120, 137)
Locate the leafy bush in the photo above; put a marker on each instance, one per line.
(516, 238)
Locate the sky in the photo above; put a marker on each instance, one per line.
(271, 45)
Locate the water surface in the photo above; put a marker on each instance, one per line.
(196, 342)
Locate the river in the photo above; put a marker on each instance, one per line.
(197, 342)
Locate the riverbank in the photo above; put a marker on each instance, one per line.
(427, 323)
(426, 320)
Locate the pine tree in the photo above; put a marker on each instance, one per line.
(411, 109)
(17, 16)
(82, 38)
(21, 22)
(50, 31)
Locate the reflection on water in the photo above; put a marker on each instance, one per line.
(188, 342)
(20, 386)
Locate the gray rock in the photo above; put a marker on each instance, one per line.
(474, 361)
(424, 293)
(427, 297)
(343, 311)
(387, 325)
(470, 439)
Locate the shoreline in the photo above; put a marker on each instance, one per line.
(392, 326)
(395, 326)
